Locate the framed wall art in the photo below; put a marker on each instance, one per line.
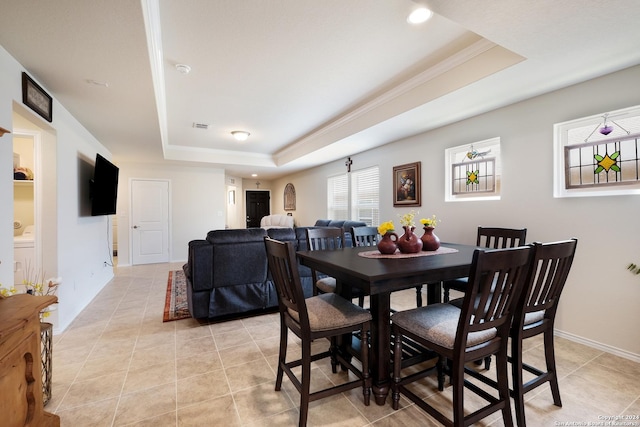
(289, 197)
(406, 185)
(34, 97)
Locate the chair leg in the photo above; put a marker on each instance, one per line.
(442, 366)
(366, 376)
(549, 355)
(457, 380)
(503, 386)
(397, 368)
(306, 383)
(445, 297)
(361, 300)
(518, 380)
(419, 296)
(282, 354)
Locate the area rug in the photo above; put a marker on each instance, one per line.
(175, 306)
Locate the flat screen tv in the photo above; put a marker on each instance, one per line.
(104, 187)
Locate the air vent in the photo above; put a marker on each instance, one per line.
(201, 126)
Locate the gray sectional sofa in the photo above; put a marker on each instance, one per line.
(227, 273)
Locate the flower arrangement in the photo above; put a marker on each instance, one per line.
(386, 227)
(408, 219)
(429, 222)
(35, 286)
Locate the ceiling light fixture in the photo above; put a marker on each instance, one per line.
(183, 68)
(240, 135)
(419, 15)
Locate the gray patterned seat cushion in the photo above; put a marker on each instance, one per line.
(438, 323)
(327, 285)
(331, 311)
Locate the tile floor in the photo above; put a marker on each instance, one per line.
(119, 364)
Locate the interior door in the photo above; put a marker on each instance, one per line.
(150, 221)
(257, 204)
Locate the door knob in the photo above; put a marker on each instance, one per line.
(135, 226)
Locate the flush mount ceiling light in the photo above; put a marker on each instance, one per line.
(240, 135)
(419, 15)
(183, 68)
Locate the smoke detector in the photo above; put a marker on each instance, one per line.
(183, 68)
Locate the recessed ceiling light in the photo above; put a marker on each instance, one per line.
(254, 175)
(240, 135)
(419, 15)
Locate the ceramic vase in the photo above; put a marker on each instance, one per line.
(409, 242)
(430, 242)
(387, 245)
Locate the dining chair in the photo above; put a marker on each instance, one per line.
(460, 335)
(365, 236)
(488, 237)
(322, 316)
(536, 315)
(328, 238)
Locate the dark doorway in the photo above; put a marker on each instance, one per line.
(257, 207)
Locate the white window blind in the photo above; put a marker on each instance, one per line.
(355, 196)
(365, 192)
(338, 197)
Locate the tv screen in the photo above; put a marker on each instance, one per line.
(104, 187)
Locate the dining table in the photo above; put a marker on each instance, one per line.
(379, 276)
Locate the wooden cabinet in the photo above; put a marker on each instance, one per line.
(20, 365)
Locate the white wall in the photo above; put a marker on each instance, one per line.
(74, 246)
(197, 204)
(600, 302)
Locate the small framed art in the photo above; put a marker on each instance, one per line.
(406, 185)
(34, 97)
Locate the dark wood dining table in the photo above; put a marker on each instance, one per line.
(378, 278)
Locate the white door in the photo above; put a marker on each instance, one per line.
(150, 221)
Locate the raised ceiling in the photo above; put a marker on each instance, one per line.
(312, 81)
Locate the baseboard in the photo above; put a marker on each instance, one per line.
(594, 344)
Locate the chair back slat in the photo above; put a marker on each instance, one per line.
(281, 257)
(325, 238)
(500, 238)
(497, 278)
(551, 265)
(365, 236)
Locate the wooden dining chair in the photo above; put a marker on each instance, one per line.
(493, 238)
(460, 335)
(365, 236)
(327, 238)
(536, 315)
(322, 316)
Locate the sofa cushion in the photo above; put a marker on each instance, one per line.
(239, 257)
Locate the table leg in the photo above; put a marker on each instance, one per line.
(434, 293)
(380, 346)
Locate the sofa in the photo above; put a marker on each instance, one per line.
(227, 272)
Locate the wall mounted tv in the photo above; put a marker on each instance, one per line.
(104, 187)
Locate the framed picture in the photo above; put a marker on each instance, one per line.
(289, 197)
(406, 185)
(34, 97)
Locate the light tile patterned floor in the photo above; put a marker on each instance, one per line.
(119, 364)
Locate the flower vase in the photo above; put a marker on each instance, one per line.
(430, 242)
(409, 242)
(387, 245)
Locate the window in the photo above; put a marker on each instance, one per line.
(473, 171)
(355, 196)
(598, 155)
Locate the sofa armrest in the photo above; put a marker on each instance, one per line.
(199, 269)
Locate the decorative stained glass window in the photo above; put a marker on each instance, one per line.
(598, 155)
(473, 171)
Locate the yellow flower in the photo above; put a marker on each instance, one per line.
(408, 219)
(385, 227)
(429, 222)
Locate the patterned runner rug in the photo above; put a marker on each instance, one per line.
(175, 306)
